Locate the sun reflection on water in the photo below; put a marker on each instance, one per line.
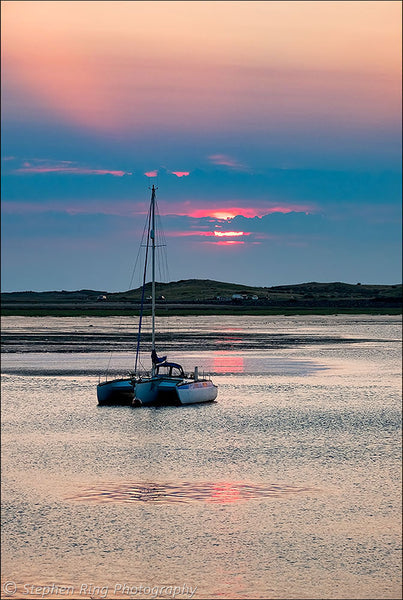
(224, 363)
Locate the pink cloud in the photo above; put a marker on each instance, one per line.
(219, 212)
(225, 238)
(227, 242)
(192, 233)
(154, 173)
(230, 213)
(71, 170)
(181, 173)
(226, 213)
(206, 233)
(64, 166)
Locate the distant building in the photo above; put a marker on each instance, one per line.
(101, 298)
(238, 297)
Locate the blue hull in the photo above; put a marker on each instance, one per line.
(116, 392)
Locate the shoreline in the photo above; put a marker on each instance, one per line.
(172, 311)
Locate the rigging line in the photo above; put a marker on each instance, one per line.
(162, 260)
(163, 264)
(130, 285)
(138, 256)
(143, 292)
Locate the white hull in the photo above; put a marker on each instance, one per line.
(197, 391)
(160, 390)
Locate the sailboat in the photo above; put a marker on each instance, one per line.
(167, 382)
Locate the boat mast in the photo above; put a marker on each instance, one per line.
(152, 236)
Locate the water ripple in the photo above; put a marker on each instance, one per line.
(220, 493)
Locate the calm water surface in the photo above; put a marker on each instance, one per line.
(289, 486)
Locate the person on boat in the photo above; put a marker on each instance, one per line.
(157, 360)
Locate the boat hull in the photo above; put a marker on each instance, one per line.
(160, 391)
(118, 392)
(197, 391)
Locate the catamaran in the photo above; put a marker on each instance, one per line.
(167, 382)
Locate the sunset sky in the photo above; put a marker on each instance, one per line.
(272, 129)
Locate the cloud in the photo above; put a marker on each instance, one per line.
(290, 228)
(229, 213)
(226, 161)
(71, 208)
(162, 171)
(275, 248)
(64, 166)
(180, 173)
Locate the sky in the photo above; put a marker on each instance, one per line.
(272, 130)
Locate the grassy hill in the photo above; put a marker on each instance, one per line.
(194, 290)
(340, 290)
(213, 292)
(59, 296)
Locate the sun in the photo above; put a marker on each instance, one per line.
(228, 233)
(223, 215)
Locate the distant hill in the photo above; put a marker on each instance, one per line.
(207, 290)
(192, 290)
(62, 295)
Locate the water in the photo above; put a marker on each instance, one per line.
(289, 486)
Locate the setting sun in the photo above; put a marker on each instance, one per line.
(223, 215)
(229, 233)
